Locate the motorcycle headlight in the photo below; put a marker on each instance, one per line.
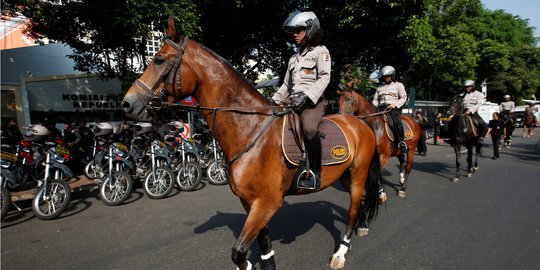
(59, 158)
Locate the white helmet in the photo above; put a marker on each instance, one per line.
(468, 83)
(102, 129)
(176, 127)
(35, 132)
(142, 128)
(306, 20)
(388, 71)
(506, 97)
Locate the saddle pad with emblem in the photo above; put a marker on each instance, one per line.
(334, 144)
(407, 130)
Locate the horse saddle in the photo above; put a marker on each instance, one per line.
(407, 130)
(334, 144)
(472, 124)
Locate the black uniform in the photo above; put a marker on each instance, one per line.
(497, 130)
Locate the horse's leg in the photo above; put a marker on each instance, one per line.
(259, 214)
(457, 150)
(477, 148)
(362, 228)
(469, 160)
(356, 191)
(402, 175)
(383, 157)
(267, 257)
(268, 262)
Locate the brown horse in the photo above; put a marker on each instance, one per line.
(353, 103)
(248, 130)
(528, 123)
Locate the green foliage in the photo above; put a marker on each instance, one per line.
(105, 35)
(433, 44)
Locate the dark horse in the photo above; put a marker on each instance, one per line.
(353, 103)
(509, 126)
(249, 129)
(461, 133)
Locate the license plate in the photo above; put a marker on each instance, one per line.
(122, 147)
(62, 151)
(8, 156)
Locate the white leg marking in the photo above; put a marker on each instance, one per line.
(268, 256)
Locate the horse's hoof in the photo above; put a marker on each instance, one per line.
(383, 198)
(362, 232)
(469, 174)
(401, 194)
(455, 180)
(337, 262)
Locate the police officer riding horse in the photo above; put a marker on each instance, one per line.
(390, 97)
(506, 112)
(471, 101)
(308, 74)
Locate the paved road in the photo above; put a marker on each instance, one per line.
(489, 221)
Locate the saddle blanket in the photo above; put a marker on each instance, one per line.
(407, 130)
(334, 144)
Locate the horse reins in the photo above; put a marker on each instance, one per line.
(172, 71)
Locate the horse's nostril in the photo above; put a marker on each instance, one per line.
(126, 106)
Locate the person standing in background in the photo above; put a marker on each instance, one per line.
(496, 129)
(424, 125)
(437, 128)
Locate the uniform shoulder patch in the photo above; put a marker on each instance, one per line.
(325, 56)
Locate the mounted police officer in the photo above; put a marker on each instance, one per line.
(308, 74)
(506, 107)
(391, 96)
(472, 100)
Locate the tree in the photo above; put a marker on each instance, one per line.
(108, 37)
(441, 48)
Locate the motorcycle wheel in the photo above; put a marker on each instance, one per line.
(162, 186)
(51, 205)
(118, 192)
(6, 201)
(192, 178)
(91, 170)
(215, 176)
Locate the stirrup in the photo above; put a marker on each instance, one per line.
(402, 146)
(310, 182)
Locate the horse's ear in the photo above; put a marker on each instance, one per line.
(344, 92)
(171, 29)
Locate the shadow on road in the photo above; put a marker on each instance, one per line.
(291, 221)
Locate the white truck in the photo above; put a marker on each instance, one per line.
(487, 109)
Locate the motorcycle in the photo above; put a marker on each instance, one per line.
(115, 184)
(216, 171)
(211, 158)
(53, 194)
(159, 182)
(186, 164)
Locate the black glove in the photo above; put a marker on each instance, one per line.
(298, 100)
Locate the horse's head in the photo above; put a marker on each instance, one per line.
(163, 79)
(456, 106)
(347, 102)
(353, 103)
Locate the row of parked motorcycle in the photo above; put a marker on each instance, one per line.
(114, 161)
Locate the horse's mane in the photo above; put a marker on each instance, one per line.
(364, 100)
(226, 63)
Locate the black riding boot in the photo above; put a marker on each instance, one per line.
(312, 181)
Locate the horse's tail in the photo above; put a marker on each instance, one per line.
(374, 182)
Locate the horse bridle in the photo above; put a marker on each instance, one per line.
(153, 101)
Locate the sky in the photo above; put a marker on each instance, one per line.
(525, 9)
